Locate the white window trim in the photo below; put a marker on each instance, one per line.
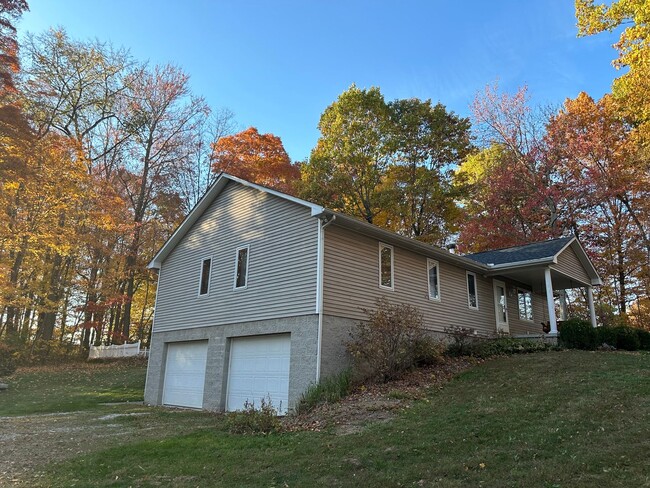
(532, 313)
(469, 304)
(430, 263)
(392, 267)
(203, 260)
(248, 257)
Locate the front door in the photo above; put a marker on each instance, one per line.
(501, 306)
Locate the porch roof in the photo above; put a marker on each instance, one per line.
(570, 266)
(527, 252)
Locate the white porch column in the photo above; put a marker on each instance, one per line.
(550, 301)
(563, 309)
(592, 309)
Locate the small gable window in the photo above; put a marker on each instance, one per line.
(472, 294)
(434, 279)
(385, 266)
(525, 300)
(204, 286)
(241, 267)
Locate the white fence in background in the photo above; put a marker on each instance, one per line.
(121, 351)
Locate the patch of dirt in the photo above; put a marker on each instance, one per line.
(379, 402)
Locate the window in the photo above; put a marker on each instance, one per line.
(472, 295)
(386, 266)
(241, 267)
(433, 272)
(525, 300)
(204, 286)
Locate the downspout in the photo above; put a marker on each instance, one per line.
(319, 287)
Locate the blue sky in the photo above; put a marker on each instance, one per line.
(278, 64)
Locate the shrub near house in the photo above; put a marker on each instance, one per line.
(579, 334)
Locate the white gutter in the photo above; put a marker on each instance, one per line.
(522, 264)
(319, 288)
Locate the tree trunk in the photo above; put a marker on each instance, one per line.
(11, 316)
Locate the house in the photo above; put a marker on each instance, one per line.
(258, 292)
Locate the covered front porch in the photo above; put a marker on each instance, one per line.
(550, 283)
(546, 269)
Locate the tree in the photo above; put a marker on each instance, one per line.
(194, 183)
(426, 142)
(260, 158)
(72, 89)
(10, 12)
(633, 87)
(346, 168)
(162, 119)
(514, 195)
(589, 142)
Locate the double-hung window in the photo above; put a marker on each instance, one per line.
(204, 282)
(525, 301)
(433, 273)
(241, 267)
(386, 277)
(472, 293)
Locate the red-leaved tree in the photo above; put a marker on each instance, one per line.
(260, 158)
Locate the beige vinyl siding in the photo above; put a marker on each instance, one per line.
(282, 263)
(351, 283)
(569, 265)
(540, 313)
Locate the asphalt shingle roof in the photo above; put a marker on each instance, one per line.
(537, 250)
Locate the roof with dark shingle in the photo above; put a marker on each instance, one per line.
(527, 252)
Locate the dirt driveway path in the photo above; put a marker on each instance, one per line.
(29, 443)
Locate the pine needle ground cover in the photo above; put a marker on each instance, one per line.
(557, 419)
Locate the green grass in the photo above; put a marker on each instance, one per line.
(559, 419)
(72, 387)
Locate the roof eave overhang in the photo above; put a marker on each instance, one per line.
(495, 269)
(408, 243)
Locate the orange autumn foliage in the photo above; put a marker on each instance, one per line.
(260, 158)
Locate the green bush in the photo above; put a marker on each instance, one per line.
(578, 334)
(627, 338)
(251, 420)
(606, 335)
(644, 339)
(382, 347)
(428, 351)
(506, 346)
(7, 363)
(329, 390)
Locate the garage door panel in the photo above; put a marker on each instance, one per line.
(259, 368)
(185, 374)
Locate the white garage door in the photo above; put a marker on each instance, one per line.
(185, 374)
(259, 368)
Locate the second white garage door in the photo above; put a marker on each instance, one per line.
(259, 368)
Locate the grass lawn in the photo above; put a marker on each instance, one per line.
(560, 419)
(80, 386)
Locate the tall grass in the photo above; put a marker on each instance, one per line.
(329, 390)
